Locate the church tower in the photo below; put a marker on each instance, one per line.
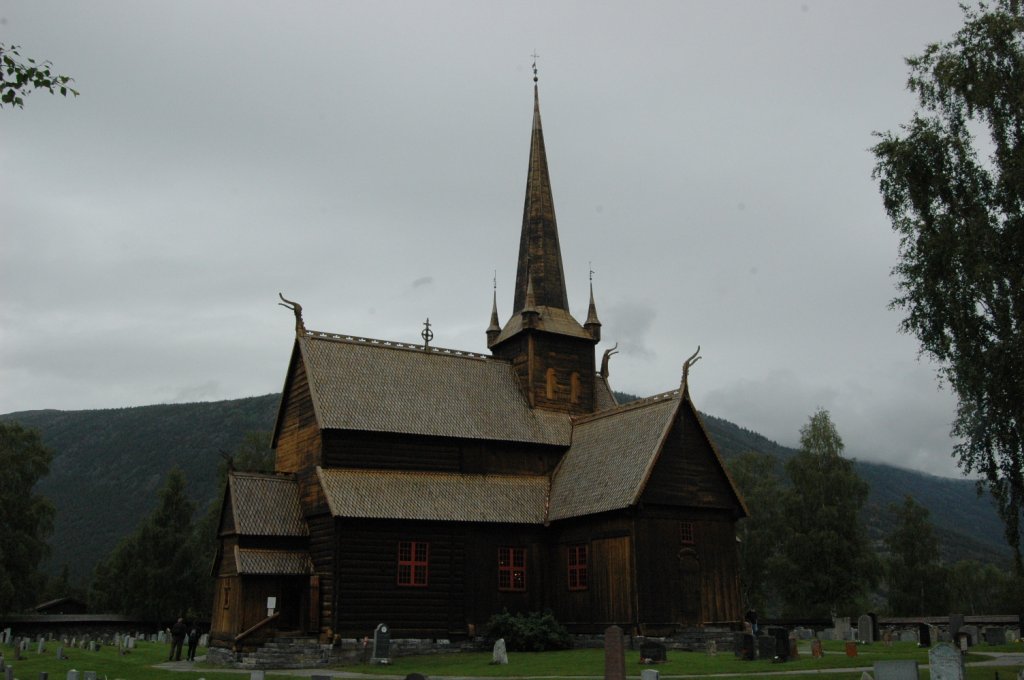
(552, 353)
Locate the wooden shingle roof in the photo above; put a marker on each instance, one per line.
(441, 496)
(378, 386)
(265, 505)
(253, 562)
(610, 458)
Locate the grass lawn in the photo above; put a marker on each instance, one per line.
(139, 664)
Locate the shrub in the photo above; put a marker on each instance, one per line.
(533, 632)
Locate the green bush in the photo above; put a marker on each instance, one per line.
(533, 632)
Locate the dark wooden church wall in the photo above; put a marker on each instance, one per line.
(298, 439)
(566, 355)
(367, 579)
(388, 451)
(688, 473)
(483, 599)
(321, 551)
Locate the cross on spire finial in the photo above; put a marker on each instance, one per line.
(427, 334)
(535, 58)
(590, 266)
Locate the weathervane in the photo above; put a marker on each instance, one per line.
(427, 334)
(535, 58)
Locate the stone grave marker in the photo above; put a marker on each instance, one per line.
(828, 634)
(924, 635)
(89, 675)
(2, 664)
(614, 654)
(851, 648)
(43, 675)
(945, 662)
(73, 675)
(765, 647)
(971, 630)
(866, 629)
(794, 649)
(956, 622)
(816, 650)
(842, 628)
(995, 635)
(901, 669)
(866, 676)
(649, 674)
(204, 640)
(908, 636)
(257, 675)
(653, 652)
(499, 655)
(712, 648)
(781, 636)
(60, 653)
(41, 645)
(381, 644)
(9, 673)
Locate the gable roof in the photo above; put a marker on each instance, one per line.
(611, 456)
(443, 496)
(380, 386)
(253, 562)
(265, 505)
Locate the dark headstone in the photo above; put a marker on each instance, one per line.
(955, 623)
(995, 635)
(816, 650)
(765, 647)
(653, 652)
(781, 638)
(614, 654)
(924, 635)
(381, 644)
(876, 632)
(748, 645)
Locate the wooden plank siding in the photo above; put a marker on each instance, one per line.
(322, 552)
(298, 439)
(534, 352)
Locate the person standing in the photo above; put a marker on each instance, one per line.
(193, 641)
(177, 638)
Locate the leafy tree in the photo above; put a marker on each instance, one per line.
(976, 588)
(824, 562)
(20, 76)
(960, 218)
(26, 518)
(755, 475)
(916, 580)
(155, 573)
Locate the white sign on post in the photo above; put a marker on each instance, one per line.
(271, 605)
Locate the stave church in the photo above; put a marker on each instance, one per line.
(432, 488)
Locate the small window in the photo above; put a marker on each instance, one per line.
(578, 567)
(512, 569)
(574, 387)
(550, 375)
(686, 533)
(413, 560)
(227, 596)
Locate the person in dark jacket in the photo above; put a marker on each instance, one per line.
(193, 641)
(178, 631)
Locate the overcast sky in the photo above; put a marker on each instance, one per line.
(710, 159)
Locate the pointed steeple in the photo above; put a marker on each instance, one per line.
(593, 324)
(494, 329)
(540, 257)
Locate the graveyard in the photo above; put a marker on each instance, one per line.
(881, 662)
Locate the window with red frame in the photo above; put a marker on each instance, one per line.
(578, 567)
(511, 568)
(413, 561)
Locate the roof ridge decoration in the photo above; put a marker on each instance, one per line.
(300, 325)
(628, 406)
(393, 344)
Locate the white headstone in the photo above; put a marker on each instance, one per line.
(257, 675)
(41, 645)
(89, 675)
(946, 662)
(902, 669)
(499, 655)
(649, 674)
(73, 675)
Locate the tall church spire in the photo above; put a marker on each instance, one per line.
(540, 257)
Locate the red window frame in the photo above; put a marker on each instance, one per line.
(577, 562)
(413, 563)
(512, 569)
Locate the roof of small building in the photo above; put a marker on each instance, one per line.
(253, 562)
(379, 386)
(611, 456)
(266, 505)
(442, 496)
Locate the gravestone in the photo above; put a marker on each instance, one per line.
(971, 630)
(946, 662)
(204, 640)
(995, 635)
(866, 629)
(712, 648)
(908, 636)
(828, 634)
(902, 669)
(765, 647)
(73, 675)
(614, 654)
(653, 652)
(649, 674)
(9, 673)
(851, 649)
(924, 635)
(60, 653)
(956, 621)
(43, 675)
(41, 645)
(781, 637)
(381, 644)
(794, 649)
(89, 675)
(816, 650)
(92, 646)
(842, 628)
(499, 655)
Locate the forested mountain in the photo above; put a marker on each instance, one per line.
(108, 465)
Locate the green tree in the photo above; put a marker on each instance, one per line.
(20, 76)
(960, 217)
(26, 518)
(755, 475)
(976, 588)
(156, 573)
(916, 580)
(824, 564)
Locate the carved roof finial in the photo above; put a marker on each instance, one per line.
(535, 58)
(694, 358)
(300, 326)
(614, 349)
